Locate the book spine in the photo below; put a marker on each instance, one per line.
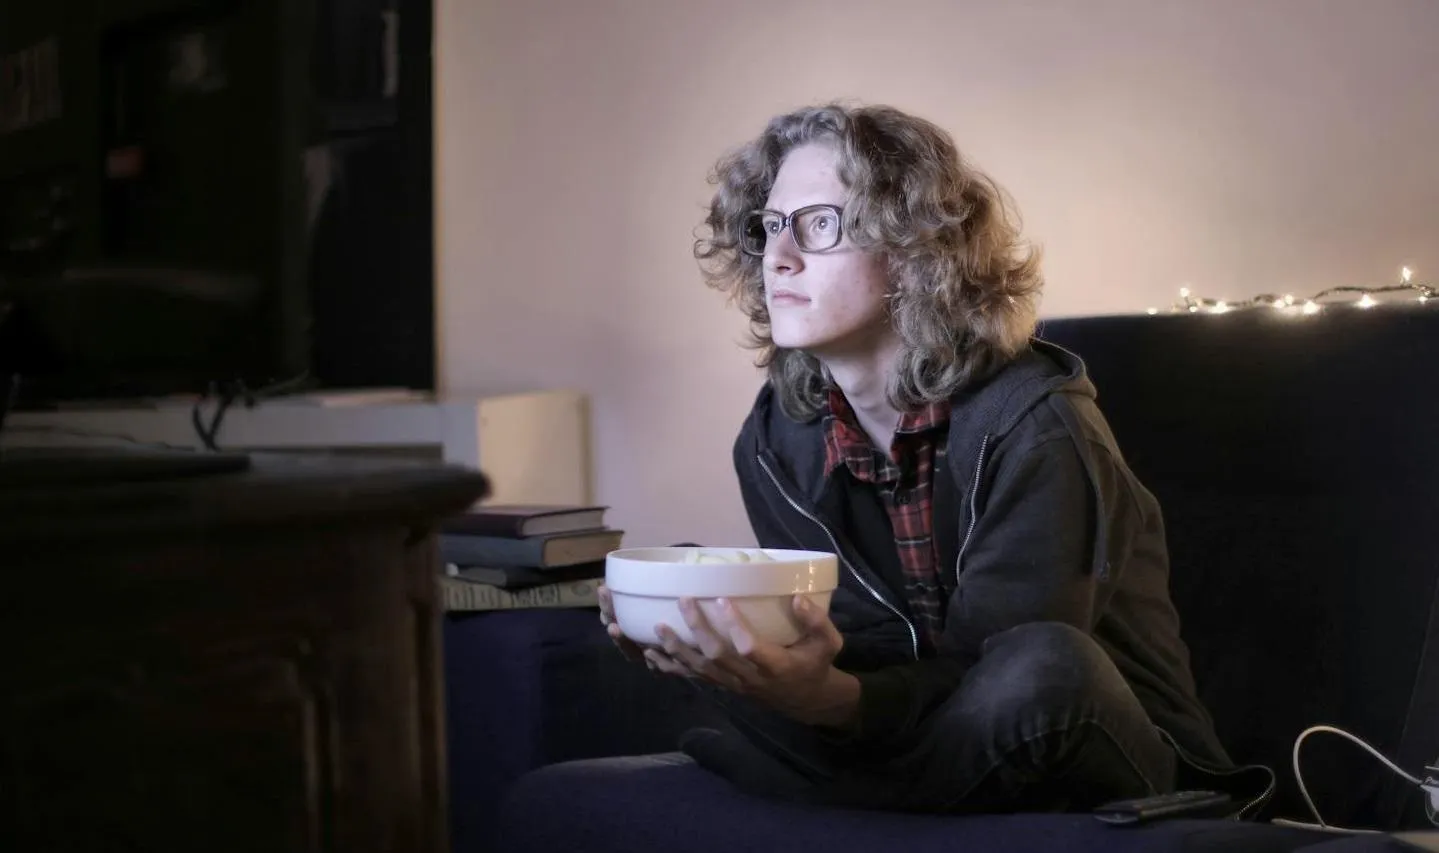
(459, 595)
(518, 577)
(472, 550)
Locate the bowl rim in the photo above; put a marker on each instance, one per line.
(804, 572)
(793, 555)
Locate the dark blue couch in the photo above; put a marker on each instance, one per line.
(1297, 463)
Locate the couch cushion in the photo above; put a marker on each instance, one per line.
(526, 688)
(1295, 461)
(667, 803)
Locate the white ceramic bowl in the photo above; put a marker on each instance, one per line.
(646, 585)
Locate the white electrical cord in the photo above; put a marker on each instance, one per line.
(1429, 786)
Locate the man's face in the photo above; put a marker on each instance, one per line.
(829, 303)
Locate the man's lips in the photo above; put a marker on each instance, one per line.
(789, 297)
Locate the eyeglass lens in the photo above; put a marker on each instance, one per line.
(815, 229)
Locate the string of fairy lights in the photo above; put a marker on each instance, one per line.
(1406, 290)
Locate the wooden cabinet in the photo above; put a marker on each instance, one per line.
(232, 661)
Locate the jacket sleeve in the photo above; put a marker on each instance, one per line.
(1029, 559)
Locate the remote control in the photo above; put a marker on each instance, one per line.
(1178, 804)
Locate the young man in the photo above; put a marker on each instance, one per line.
(1003, 636)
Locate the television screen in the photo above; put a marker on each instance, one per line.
(194, 191)
(158, 242)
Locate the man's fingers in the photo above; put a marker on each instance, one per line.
(715, 643)
(740, 649)
(629, 648)
(676, 658)
(737, 628)
(754, 658)
(626, 646)
(812, 616)
(726, 670)
(660, 662)
(676, 648)
(711, 643)
(819, 629)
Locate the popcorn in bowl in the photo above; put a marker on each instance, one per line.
(723, 556)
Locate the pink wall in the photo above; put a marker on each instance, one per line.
(1237, 146)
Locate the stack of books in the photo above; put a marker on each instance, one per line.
(511, 556)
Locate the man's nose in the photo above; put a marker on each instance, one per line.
(782, 255)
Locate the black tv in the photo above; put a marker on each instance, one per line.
(196, 192)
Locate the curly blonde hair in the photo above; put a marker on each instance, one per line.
(965, 290)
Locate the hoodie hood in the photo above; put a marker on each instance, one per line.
(982, 413)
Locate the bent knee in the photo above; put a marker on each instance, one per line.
(1051, 664)
(1042, 642)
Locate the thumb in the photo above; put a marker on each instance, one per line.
(815, 619)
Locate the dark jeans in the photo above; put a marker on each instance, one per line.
(1043, 722)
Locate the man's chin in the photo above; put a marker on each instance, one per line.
(827, 346)
(806, 343)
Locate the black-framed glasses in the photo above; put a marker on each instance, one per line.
(815, 228)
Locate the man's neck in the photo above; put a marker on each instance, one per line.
(864, 379)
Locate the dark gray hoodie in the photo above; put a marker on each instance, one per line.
(1033, 469)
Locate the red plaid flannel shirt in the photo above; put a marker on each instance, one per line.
(905, 479)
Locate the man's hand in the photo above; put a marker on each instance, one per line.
(629, 648)
(798, 680)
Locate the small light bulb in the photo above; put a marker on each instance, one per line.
(1220, 307)
(1366, 301)
(1152, 311)
(1311, 307)
(1406, 274)
(1288, 299)
(1183, 293)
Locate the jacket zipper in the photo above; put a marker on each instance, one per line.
(973, 508)
(913, 634)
